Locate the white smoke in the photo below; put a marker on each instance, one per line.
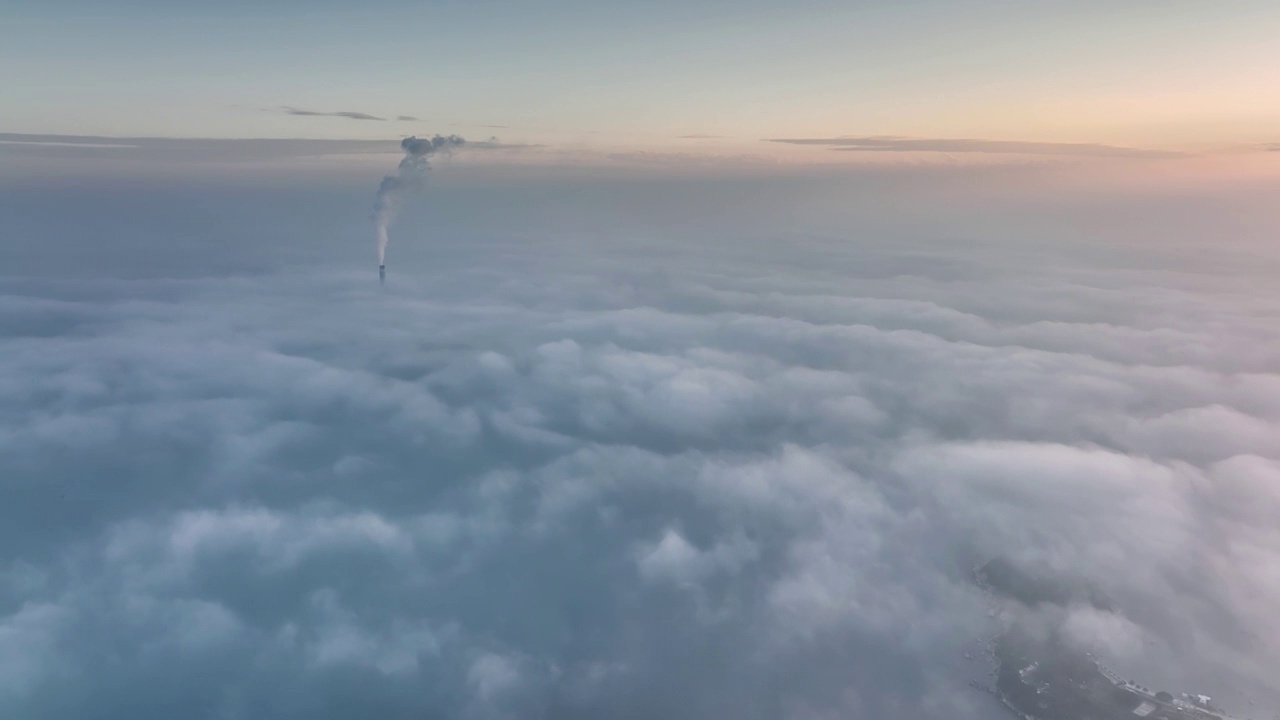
(411, 176)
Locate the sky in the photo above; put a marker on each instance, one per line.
(711, 359)
(1174, 74)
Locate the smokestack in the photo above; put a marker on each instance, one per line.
(410, 175)
(382, 274)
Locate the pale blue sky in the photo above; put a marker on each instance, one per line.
(1146, 73)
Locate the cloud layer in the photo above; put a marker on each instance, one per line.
(642, 473)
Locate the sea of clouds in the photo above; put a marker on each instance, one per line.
(681, 450)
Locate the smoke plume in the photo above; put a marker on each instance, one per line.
(411, 176)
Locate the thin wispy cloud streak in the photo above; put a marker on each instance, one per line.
(204, 149)
(66, 143)
(965, 145)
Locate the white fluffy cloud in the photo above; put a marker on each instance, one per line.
(637, 477)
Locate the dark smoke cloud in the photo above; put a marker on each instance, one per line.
(421, 147)
(411, 176)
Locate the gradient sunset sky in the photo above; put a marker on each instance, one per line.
(1169, 75)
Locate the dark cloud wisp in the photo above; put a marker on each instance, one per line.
(342, 114)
